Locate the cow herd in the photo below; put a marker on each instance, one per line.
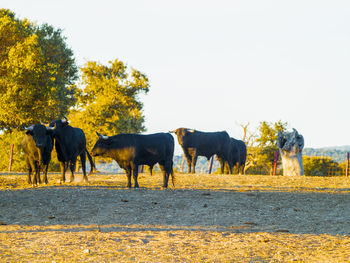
(129, 150)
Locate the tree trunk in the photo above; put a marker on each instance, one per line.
(290, 146)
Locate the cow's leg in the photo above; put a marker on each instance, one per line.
(72, 165)
(38, 173)
(164, 170)
(128, 175)
(194, 161)
(29, 179)
(242, 169)
(227, 168)
(45, 168)
(222, 165)
(168, 171)
(34, 178)
(64, 167)
(230, 167)
(35, 174)
(189, 163)
(83, 165)
(135, 174)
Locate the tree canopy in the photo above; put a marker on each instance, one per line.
(37, 72)
(37, 76)
(262, 145)
(109, 99)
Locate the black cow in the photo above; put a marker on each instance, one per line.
(238, 155)
(196, 143)
(242, 149)
(37, 145)
(130, 150)
(70, 142)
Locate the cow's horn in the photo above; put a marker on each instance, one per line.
(65, 120)
(105, 137)
(171, 131)
(29, 128)
(51, 128)
(191, 130)
(45, 124)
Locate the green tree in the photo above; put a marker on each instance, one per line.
(262, 146)
(37, 71)
(320, 166)
(109, 100)
(37, 75)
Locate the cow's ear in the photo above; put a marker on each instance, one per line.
(29, 132)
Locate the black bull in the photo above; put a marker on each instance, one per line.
(37, 145)
(70, 142)
(238, 154)
(196, 143)
(131, 150)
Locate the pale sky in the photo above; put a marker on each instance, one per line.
(214, 64)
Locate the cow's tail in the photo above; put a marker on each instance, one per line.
(92, 165)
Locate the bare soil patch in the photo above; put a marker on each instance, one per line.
(203, 218)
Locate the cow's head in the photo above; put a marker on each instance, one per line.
(59, 125)
(101, 146)
(182, 134)
(41, 134)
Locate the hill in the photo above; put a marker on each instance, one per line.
(337, 153)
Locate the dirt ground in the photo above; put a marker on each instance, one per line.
(220, 218)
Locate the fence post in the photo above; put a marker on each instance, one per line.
(275, 163)
(11, 157)
(211, 164)
(347, 165)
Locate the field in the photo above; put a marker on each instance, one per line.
(210, 218)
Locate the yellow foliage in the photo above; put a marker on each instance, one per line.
(36, 70)
(107, 101)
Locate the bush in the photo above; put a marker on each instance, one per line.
(320, 166)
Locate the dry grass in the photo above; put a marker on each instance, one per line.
(199, 181)
(145, 243)
(91, 244)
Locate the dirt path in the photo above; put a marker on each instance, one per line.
(299, 213)
(230, 217)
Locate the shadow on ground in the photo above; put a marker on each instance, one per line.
(114, 208)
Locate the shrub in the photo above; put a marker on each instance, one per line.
(320, 166)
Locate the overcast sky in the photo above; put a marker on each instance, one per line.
(215, 64)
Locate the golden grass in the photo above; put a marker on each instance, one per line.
(197, 181)
(91, 244)
(145, 243)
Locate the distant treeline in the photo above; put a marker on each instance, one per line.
(201, 167)
(337, 154)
